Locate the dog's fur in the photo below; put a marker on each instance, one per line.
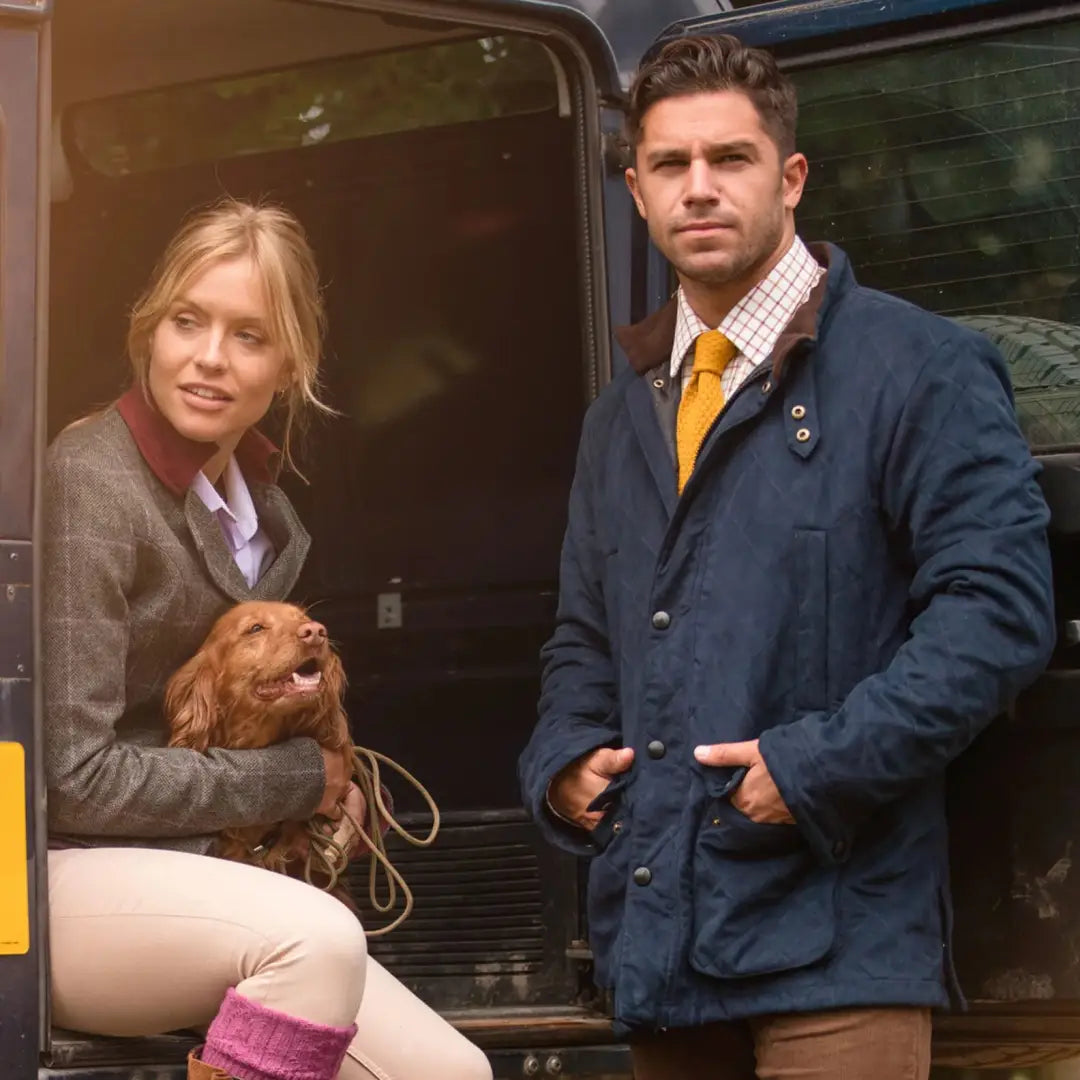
(251, 684)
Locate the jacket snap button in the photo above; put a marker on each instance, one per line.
(661, 620)
(642, 875)
(617, 827)
(803, 434)
(766, 386)
(839, 850)
(798, 412)
(656, 749)
(658, 383)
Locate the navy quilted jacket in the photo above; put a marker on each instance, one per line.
(857, 573)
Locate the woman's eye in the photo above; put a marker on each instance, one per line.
(255, 628)
(249, 338)
(184, 322)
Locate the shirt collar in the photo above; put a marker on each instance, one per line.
(237, 505)
(176, 460)
(741, 326)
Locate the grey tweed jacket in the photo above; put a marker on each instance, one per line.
(136, 571)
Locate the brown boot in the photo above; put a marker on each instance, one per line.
(199, 1070)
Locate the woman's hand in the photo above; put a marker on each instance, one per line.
(336, 825)
(356, 806)
(338, 778)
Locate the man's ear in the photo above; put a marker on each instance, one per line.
(190, 704)
(635, 191)
(795, 170)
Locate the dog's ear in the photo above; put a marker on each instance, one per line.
(334, 725)
(190, 704)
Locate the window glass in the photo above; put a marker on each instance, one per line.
(329, 102)
(950, 176)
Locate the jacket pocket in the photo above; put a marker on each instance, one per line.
(606, 892)
(762, 902)
(610, 803)
(811, 619)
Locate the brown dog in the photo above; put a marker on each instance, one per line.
(265, 673)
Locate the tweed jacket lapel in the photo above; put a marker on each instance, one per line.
(277, 517)
(291, 541)
(214, 551)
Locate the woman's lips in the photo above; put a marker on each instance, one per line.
(205, 399)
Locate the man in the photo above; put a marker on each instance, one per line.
(805, 564)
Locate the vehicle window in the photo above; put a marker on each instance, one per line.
(950, 175)
(350, 98)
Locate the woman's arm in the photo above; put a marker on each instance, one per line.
(97, 784)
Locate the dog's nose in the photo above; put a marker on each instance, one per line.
(311, 633)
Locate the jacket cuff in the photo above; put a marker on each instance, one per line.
(556, 829)
(294, 778)
(790, 760)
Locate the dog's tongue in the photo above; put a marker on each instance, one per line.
(306, 682)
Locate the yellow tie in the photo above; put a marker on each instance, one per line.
(702, 399)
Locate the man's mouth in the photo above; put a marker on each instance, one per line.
(702, 226)
(302, 682)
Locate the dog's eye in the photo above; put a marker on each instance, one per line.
(255, 628)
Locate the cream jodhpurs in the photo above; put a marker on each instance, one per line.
(144, 941)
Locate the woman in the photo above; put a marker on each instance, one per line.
(161, 512)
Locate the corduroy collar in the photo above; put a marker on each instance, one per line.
(176, 460)
(648, 343)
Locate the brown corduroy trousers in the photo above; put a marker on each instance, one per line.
(845, 1044)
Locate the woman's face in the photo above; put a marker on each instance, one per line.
(214, 367)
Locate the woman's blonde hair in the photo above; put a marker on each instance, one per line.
(276, 243)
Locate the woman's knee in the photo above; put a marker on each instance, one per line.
(331, 939)
(316, 969)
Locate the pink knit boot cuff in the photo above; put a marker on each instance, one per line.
(252, 1042)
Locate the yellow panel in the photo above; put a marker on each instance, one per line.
(14, 900)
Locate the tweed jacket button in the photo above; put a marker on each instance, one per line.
(803, 434)
(661, 620)
(656, 749)
(642, 875)
(798, 412)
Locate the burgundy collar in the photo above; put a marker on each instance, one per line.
(176, 460)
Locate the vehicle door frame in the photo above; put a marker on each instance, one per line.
(24, 109)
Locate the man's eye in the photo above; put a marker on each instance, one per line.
(255, 628)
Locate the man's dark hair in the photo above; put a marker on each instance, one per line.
(702, 65)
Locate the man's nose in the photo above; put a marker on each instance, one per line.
(312, 633)
(699, 183)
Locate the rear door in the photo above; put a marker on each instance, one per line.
(21, 243)
(944, 147)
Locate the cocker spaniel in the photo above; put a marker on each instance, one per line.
(265, 673)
